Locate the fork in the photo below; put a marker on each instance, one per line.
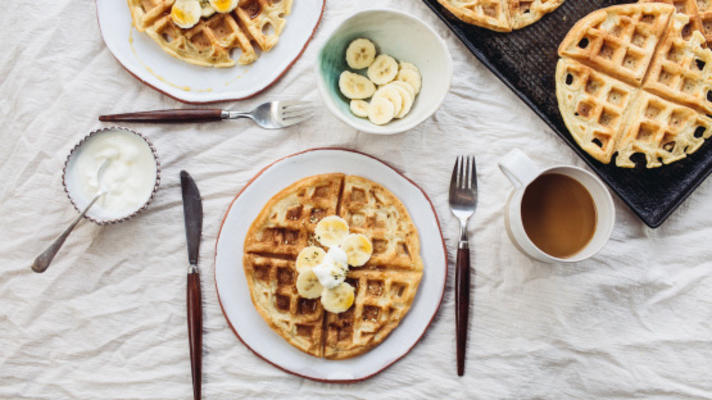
(272, 115)
(463, 201)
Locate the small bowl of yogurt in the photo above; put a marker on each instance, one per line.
(131, 177)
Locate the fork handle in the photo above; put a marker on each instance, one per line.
(177, 115)
(462, 302)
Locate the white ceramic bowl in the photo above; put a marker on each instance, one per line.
(71, 178)
(400, 35)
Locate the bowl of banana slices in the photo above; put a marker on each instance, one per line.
(383, 71)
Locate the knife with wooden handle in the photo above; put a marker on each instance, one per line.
(193, 214)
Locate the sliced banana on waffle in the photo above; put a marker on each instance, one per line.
(224, 6)
(331, 230)
(309, 258)
(308, 285)
(360, 53)
(338, 299)
(358, 249)
(208, 10)
(186, 13)
(355, 86)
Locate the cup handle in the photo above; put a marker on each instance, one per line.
(518, 168)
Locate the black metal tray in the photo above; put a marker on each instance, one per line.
(525, 60)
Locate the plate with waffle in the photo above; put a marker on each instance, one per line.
(202, 51)
(330, 265)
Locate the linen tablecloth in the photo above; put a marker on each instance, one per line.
(107, 320)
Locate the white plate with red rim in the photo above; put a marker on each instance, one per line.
(146, 61)
(234, 294)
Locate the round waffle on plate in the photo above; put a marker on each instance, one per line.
(500, 15)
(385, 286)
(211, 41)
(629, 82)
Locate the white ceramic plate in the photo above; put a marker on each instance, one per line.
(145, 60)
(234, 294)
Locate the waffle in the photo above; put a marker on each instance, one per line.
(628, 82)
(385, 286)
(500, 15)
(699, 12)
(211, 42)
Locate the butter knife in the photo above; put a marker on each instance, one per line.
(193, 214)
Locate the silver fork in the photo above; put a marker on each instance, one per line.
(463, 201)
(272, 115)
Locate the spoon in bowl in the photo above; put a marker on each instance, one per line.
(42, 261)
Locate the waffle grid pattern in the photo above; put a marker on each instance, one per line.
(255, 25)
(629, 83)
(385, 286)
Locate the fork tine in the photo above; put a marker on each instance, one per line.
(473, 178)
(461, 173)
(295, 120)
(290, 105)
(468, 173)
(453, 178)
(295, 113)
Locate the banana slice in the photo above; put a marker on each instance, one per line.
(405, 86)
(383, 70)
(410, 77)
(381, 111)
(208, 10)
(186, 13)
(308, 285)
(360, 53)
(224, 6)
(358, 249)
(359, 108)
(406, 95)
(338, 299)
(391, 94)
(310, 257)
(331, 230)
(355, 86)
(407, 65)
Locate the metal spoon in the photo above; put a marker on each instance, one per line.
(42, 261)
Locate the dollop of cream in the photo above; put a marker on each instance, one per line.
(129, 177)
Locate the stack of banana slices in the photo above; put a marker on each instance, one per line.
(390, 85)
(323, 274)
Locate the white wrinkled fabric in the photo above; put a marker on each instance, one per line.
(107, 320)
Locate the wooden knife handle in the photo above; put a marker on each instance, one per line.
(195, 331)
(181, 115)
(462, 305)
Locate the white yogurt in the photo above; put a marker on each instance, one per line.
(129, 177)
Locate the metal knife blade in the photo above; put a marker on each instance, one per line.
(193, 214)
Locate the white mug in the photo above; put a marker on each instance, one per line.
(521, 171)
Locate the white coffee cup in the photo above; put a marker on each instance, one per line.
(521, 171)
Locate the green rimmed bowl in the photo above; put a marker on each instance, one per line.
(404, 37)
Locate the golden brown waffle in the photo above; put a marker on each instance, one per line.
(682, 70)
(619, 40)
(647, 94)
(213, 39)
(700, 13)
(385, 286)
(500, 15)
